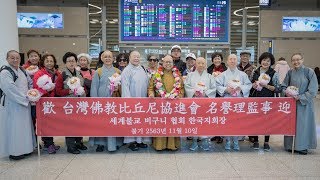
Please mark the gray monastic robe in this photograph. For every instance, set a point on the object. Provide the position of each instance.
(134, 83)
(306, 80)
(228, 75)
(100, 87)
(222, 82)
(194, 78)
(16, 127)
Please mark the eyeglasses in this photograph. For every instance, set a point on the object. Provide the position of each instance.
(154, 60)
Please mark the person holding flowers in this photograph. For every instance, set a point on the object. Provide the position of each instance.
(200, 84)
(70, 84)
(301, 84)
(265, 80)
(166, 83)
(102, 86)
(43, 81)
(233, 83)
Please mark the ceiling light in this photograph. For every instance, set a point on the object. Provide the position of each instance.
(249, 16)
(98, 12)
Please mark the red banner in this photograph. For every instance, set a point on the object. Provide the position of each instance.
(164, 117)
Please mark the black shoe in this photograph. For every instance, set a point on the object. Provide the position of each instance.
(100, 148)
(266, 147)
(142, 145)
(81, 146)
(303, 152)
(133, 147)
(73, 150)
(219, 140)
(256, 146)
(29, 154)
(16, 157)
(214, 138)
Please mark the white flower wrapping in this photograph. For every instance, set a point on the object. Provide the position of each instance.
(115, 80)
(264, 79)
(292, 91)
(234, 84)
(31, 70)
(201, 88)
(45, 82)
(75, 86)
(33, 95)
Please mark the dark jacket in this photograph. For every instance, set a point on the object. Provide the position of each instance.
(264, 92)
(180, 65)
(211, 68)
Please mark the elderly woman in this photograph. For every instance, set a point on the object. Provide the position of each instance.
(122, 61)
(86, 72)
(33, 60)
(100, 87)
(216, 68)
(172, 86)
(266, 60)
(200, 84)
(32, 67)
(233, 83)
(305, 80)
(152, 64)
(47, 64)
(217, 65)
(74, 144)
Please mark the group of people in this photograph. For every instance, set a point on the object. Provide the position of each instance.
(168, 77)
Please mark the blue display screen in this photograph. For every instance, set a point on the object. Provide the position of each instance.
(40, 20)
(301, 24)
(174, 21)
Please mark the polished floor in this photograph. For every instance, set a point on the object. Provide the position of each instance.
(183, 164)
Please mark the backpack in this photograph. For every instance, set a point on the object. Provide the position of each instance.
(14, 77)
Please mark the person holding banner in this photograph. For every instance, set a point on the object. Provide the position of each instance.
(16, 128)
(200, 84)
(166, 83)
(265, 80)
(101, 87)
(134, 83)
(301, 83)
(74, 144)
(47, 64)
(233, 83)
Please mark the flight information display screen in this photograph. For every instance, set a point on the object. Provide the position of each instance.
(198, 21)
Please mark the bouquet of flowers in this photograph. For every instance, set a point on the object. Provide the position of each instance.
(292, 91)
(234, 84)
(115, 80)
(33, 95)
(264, 79)
(45, 82)
(31, 70)
(200, 89)
(216, 73)
(75, 86)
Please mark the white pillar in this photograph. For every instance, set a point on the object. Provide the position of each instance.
(9, 30)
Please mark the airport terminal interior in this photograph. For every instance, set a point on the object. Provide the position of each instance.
(201, 27)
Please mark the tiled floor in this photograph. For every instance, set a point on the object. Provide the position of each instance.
(149, 164)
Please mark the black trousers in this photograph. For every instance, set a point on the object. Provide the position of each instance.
(73, 141)
(256, 138)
